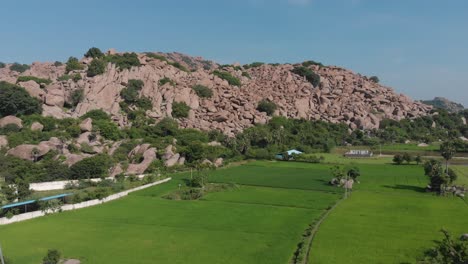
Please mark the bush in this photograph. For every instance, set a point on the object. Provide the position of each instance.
(266, 106)
(156, 56)
(228, 77)
(92, 167)
(64, 77)
(107, 129)
(144, 103)
(19, 67)
(73, 65)
(130, 93)
(135, 84)
(246, 74)
(180, 110)
(311, 76)
(2, 65)
(311, 62)
(76, 97)
(178, 66)
(203, 91)
(52, 257)
(58, 63)
(15, 100)
(124, 61)
(33, 78)
(96, 67)
(254, 65)
(165, 80)
(94, 53)
(76, 77)
(398, 159)
(97, 114)
(374, 79)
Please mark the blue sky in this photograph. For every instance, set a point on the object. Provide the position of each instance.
(419, 47)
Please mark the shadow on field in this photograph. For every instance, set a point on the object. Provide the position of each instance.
(406, 187)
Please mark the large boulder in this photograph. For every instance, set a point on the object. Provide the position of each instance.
(173, 160)
(86, 125)
(33, 88)
(8, 120)
(148, 157)
(29, 152)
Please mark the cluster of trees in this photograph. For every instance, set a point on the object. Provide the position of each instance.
(399, 159)
(15, 100)
(449, 250)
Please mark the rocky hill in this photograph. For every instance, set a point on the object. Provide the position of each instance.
(339, 96)
(444, 103)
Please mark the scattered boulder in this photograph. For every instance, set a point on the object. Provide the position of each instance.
(173, 160)
(219, 162)
(423, 145)
(36, 126)
(116, 170)
(29, 152)
(86, 125)
(148, 157)
(8, 120)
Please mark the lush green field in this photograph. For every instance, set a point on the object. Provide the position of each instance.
(389, 218)
(248, 224)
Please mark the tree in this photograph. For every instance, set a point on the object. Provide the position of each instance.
(73, 64)
(337, 172)
(15, 100)
(418, 159)
(448, 251)
(52, 257)
(398, 159)
(94, 53)
(407, 157)
(374, 79)
(266, 106)
(93, 167)
(447, 150)
(96, 67)
(23, 188)
(433, 169)
(353, 173)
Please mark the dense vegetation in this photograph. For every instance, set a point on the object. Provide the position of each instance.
(267, 107)
(96, 67)
(123, 61)
(180, 110)
(15, 100)
(19, 67)
(73, 64)
(94, 53)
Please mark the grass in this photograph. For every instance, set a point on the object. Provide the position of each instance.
(249, 224)
(389, 218)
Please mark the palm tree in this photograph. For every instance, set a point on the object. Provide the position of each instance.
(447, 150)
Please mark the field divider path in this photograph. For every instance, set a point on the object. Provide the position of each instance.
(315, 229)
(69, 207)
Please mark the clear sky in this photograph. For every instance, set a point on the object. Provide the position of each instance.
(419, 47)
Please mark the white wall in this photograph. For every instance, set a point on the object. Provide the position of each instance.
(60, 185)
(68, 207)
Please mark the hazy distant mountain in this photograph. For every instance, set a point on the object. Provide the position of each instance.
(444, 103)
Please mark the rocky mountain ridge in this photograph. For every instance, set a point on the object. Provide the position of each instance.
(340, 96)
(444, 103)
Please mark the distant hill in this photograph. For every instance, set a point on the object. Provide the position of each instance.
(444, 103)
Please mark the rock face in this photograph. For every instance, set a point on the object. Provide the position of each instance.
(3, 141)
(342, 96)
(148, 157)
(7, 120)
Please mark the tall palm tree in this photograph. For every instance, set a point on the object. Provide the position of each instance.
(447, 150)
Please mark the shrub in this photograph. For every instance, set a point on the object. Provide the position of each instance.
(203, 91)
(52, 257)
(311, 62)
(2, 65)
(107, 129)
(124, 61)
(228, 77)
(94, 53)
(375, 79)
(15, 100)
(58, 64)
(76, 97)
(180, 110)
(165, 80)
(97, 114)
(76, 77)
(266, 106)
(144, 103)
(135, 84)
(92, 167)
(398, 159)
(178, 66)
(33, 78)
(156, 56)
(96, 67)
(73, 65)
(246, 74)
(130, 96)
(19, 67)
(64, 77)
(311, 76)
(254, 65)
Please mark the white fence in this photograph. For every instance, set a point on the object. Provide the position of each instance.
(68, 207)
(60, 185)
